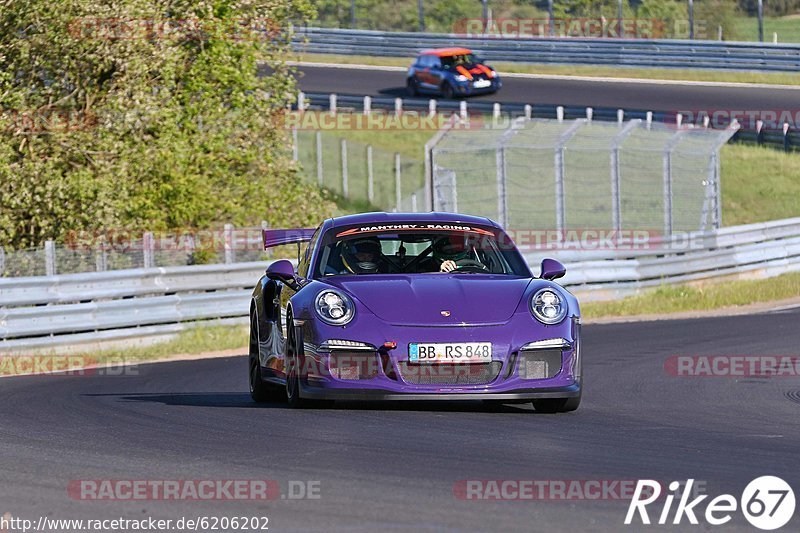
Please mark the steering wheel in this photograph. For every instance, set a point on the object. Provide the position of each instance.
(470, 265)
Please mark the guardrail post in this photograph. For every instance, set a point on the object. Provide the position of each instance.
(431, 107)
(462, 109)
(148, 250)
(345, 191)
(397, 182)
(716, 222)
(101, 256)
(787, 142)
(301, 101)
(367, 105)
(370, 177)
(496, 111)
(50, 257)
(398, 106)
(229, 244)
(500, 173)
(589, 113)
(528, 111)
(191, 248)
(295, 148)
(760, 131)
(560, 113)
(620, 116)
(332, 103)
(649, 119)
(319, 158)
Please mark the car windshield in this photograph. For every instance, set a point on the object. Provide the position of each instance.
(459, 59)
(418, 249)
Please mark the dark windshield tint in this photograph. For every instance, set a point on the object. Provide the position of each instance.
(416, 249)
(463, 60)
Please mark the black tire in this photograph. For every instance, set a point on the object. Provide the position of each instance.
(557, 405)
(447, 91)
(291, 365)
(411, 87)
(260, 391)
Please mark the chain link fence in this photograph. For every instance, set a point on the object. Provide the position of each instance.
(560, 175)
(120, 250)
(365, 176)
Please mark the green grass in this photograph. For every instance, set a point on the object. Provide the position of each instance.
(674, 299)
(788, 28)
(772, 78)
(759, 184)
(193, 341)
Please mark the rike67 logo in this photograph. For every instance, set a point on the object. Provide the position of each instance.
(767, 503)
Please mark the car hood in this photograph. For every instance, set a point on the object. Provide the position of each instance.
(425, 299)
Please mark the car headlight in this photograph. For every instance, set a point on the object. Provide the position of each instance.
(334, 308)
(548, 306)
(461, 78)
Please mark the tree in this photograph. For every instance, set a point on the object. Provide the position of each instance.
(146, 114)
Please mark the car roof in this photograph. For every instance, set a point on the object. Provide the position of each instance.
(446, 52)
(390, 218)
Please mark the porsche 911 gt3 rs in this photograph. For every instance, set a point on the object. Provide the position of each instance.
(409, 306)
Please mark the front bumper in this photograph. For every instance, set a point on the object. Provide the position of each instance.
(570, 391)
(467, 88)
(522, 368)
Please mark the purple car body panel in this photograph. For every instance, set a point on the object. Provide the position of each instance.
(529, 359)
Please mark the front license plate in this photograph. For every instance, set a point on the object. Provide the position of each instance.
(480, 84)
(451, 352)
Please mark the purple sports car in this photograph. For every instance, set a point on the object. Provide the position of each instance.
(410, 306)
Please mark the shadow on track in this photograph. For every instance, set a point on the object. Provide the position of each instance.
(194, 399)
(242, 400)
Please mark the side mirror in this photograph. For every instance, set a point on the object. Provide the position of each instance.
(282, 270)
(552, 269)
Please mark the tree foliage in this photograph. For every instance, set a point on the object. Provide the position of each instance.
(146, 114)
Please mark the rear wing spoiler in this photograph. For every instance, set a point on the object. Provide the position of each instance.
(278, 237)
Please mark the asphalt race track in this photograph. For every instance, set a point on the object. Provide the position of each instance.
(393, 467)
(641, 96)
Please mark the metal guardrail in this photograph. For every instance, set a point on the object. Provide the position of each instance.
(611, 52)
(786, 139)
(47, 312)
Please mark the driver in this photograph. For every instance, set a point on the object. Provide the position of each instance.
(363, 256)
(449, 251)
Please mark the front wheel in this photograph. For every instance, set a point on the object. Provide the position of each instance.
(291, 364)
(260, 391)
(447, 91)
(411, 87)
